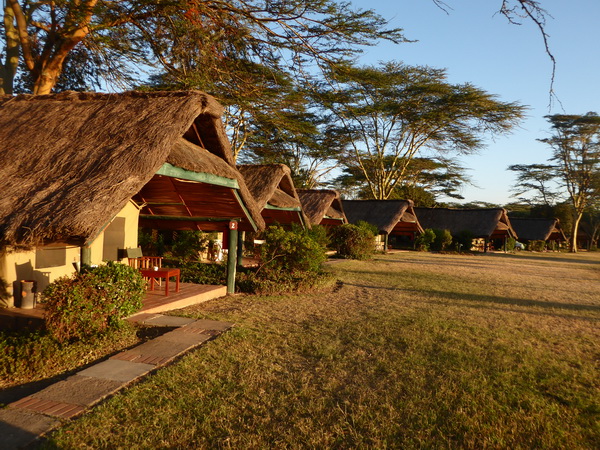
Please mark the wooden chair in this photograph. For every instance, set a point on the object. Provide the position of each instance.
(136, 260)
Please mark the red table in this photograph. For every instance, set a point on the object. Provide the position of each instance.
(163, 272)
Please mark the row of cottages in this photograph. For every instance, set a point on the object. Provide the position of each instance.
(82, 171)
(395, 220)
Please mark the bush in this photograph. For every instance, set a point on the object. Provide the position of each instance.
(202, 273)
(463, 241)
(442, 240)
(290, 251)
(510, 244)
(290, 260)
(353, 242)
(92, 302)
(425, 239)
(275, 282)
(536, 246)
(318, 233)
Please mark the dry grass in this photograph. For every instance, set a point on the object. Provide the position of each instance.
(412, 350)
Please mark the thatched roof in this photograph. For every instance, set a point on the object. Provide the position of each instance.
(71, 161)
(270, 184)
(273, 190)
(322, 206)
(483, 223)
(389, 216)
(184, 198)
(538, 229)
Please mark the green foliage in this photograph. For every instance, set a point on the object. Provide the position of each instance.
(509, 244)
(290, 260)
(463, 241)
(353, 242)
(202, 273)
(397, 111)
(188, 245)
(276, 282)
(318, 233)
(290, 251)
(442, 240)
(424, 240)
(92, 302)
(368, 226)
(536, 246)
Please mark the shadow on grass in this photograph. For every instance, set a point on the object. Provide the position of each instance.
(479, 298)
(592, 258)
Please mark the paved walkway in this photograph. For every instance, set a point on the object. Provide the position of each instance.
(25, 420)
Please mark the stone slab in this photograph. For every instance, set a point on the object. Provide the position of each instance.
(79, 390)
(160, 320)
(19, 428)
(160, 347)
(181, 337)
(112, 369)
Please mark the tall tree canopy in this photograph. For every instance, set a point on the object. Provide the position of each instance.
(575, 145)
(385, 116)
(205, 37)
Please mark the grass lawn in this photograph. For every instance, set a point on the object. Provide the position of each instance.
(410, 350)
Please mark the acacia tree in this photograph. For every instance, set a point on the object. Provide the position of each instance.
(575, 145)
(424, 181)
(180, 35)
(388, 115)
(538, 179)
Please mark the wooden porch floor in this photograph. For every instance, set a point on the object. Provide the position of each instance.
(154, 302)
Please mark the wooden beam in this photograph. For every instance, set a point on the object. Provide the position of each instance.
(200, 177)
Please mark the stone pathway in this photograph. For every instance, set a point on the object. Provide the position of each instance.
(24, 421)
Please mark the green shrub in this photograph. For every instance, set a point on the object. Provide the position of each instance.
(353, 242)
(442, 240)
(290, 260)
(509, 244)
(290, 251)
(368, 226)
(276, 282)
(318, 233)
(92, 302)
(202, 273)
(463, 241)
(188, 245)
(424, 240)
(536, 246)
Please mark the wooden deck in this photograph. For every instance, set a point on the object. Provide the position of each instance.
(154, 302)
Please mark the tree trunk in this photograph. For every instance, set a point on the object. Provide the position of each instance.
(574, 230)
(8, 69)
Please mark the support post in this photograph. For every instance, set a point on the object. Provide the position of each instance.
(86, 256)
(232, 256)
(385, 242)
(240, 248)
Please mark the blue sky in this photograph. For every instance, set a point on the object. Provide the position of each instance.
(476, 45)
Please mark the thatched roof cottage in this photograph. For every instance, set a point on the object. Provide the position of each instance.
(391, 217)
(538, 229)
(322, 207)
(73, 163)
(486, 223)
(273, 190)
